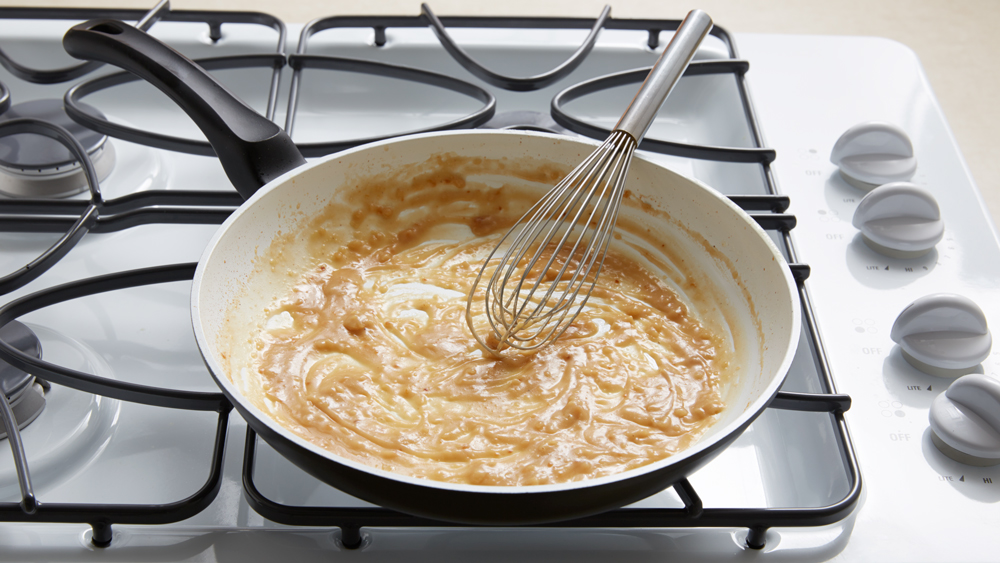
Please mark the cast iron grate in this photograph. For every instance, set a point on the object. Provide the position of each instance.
(767, 210)
(76, 217)
(351, 520)
(101, 516)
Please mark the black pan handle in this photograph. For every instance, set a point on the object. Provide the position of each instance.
(252, 149)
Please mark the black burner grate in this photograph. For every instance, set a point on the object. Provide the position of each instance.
(102, 516)
(77, 217)
(757, 520)
(74, 218)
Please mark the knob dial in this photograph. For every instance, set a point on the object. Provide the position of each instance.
(874, 153)
(899, 220)
(943, 334)
(965, 420)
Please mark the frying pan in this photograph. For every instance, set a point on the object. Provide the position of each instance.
(717, 246)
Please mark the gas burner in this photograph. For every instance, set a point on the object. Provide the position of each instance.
(70, 433)
(36, 166)
(525, 121)
(25, 393)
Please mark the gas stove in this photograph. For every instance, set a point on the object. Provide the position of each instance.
(134, 454)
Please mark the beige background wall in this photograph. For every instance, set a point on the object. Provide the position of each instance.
(957, 41)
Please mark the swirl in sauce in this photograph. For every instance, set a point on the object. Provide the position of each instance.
(370, 357)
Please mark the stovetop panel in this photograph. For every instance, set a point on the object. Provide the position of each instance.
(807, 91)
(859, 293)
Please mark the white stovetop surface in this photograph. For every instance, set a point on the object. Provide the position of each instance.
(918, 505)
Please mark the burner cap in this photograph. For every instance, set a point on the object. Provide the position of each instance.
(12, 380)
(26, 396)
(35, 152)
(37, 166)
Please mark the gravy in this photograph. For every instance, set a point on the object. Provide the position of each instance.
(369, 355)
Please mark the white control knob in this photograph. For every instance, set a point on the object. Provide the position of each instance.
(874, 153)
(943, 334)
(899, 220)
(965, 420)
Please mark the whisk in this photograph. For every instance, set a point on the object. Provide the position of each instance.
(554, 254)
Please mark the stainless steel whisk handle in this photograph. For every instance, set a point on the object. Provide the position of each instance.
(664, 75)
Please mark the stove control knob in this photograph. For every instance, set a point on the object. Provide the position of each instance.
(965, 420)
(874, 153)
(899, 220)
(943, 335)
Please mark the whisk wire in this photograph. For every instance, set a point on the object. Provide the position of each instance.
(526, 313)
(596, 249)
(506, 310)
(598, 185)
(576, 199)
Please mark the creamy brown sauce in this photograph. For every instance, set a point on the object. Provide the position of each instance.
(369, 355)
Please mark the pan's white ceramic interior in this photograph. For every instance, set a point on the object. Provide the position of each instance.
(710, 242)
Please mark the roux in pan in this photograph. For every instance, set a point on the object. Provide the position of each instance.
(369, 355)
